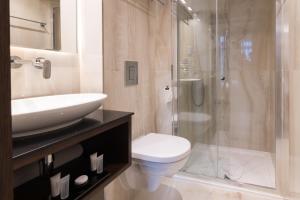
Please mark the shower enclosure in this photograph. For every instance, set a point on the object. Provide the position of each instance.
(226, 88)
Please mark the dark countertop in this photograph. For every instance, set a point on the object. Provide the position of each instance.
(97, 121)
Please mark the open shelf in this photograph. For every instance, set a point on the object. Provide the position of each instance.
(39, 188)
(111, 137)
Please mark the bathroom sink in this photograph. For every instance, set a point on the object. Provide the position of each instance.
(34, 116)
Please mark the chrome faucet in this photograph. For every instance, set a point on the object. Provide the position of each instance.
(39, 63)
(45, 65)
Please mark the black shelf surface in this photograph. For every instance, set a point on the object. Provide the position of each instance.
(28, 150)
(39, 188)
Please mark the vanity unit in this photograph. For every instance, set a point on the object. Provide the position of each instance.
(104, 131)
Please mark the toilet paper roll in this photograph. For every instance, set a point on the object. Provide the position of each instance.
(167, 96)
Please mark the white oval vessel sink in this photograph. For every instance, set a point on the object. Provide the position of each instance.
(32, 116)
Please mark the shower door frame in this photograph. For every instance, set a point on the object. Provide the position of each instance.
(281, 109)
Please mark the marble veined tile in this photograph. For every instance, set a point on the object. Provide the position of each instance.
(240, 165)
(181, 188)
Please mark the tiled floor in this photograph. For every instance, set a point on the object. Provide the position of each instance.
(243, 166)
(181, 189)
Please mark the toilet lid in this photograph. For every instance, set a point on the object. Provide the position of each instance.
(160, 148)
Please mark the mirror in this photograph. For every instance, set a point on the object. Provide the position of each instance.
(44, 24)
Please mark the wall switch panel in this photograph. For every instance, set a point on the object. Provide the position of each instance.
(131, 73)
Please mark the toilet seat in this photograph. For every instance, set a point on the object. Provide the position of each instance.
(160, 148)
(154, 156)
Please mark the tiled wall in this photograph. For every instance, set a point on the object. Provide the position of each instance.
(28, 81)
(126, 37)
(241, 108)
(196, 66)
(138, 30)
(250, 74)
(160, 23)
(289, 12)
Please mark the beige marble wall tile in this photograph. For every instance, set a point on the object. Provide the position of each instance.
(251, 74)
(180, 189)
(126, 37)
(290, 53)
(196, 56)
(28, 81)
(241, 107)
(160, 27)
(138, 30)
(295, 131)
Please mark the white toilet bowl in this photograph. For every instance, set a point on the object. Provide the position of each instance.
(155, 156)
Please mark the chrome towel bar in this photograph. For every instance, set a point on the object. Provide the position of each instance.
(42, 24)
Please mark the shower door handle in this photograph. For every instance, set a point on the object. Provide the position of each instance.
(172, 72)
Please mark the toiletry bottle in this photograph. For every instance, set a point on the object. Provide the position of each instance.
(46, 172)
(47, 166)
(65, 187)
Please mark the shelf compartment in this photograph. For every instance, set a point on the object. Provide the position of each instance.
(113, 139)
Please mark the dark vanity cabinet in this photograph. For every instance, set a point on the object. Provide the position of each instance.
(106, 132)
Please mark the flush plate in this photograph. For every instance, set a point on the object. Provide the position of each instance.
(131, 73)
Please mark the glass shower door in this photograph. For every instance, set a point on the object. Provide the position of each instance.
(196, 83)
(245, 90)
(226, 88)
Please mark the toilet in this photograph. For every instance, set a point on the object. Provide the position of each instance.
(154, 156)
